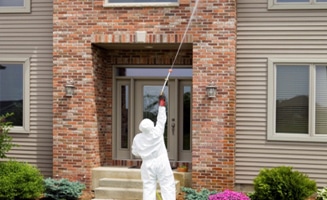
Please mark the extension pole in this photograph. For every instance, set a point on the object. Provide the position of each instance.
(166, 80)
(179, 48)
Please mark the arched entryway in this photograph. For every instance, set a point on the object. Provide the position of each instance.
(135, 74)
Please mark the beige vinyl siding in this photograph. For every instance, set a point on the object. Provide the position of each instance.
(263, 34)
(30, 35)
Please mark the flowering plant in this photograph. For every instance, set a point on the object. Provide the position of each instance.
(229, 195)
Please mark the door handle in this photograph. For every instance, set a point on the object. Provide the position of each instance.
(173, 126)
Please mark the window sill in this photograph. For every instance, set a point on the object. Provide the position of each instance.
(15, 10)
(17, 129)
(296, 6)
(296, 137)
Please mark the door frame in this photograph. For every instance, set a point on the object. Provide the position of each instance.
(172, 139)
(131, 81)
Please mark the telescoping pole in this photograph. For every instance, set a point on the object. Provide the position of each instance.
(179, 48)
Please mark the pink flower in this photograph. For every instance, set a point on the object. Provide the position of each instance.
(229, 195)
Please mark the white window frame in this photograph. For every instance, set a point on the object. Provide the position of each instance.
(272, 4)
(106, 3)
(26, 92)
(17, 9)
(271, 101)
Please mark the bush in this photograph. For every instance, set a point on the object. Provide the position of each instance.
(229, 195)
(191, 194)
(5, 140)
(20, 181)
(282, 183)
(63, 189)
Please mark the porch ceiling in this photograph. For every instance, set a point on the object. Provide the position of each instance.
(145, 46)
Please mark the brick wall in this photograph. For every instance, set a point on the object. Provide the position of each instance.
(103, 101)
(214, 119)
(82, 123)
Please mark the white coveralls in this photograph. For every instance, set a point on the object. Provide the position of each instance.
(150, 146)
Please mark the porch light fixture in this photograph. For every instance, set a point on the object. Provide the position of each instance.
(211, 90)
(69, 88)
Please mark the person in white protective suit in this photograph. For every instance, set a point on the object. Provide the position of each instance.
(150, 146)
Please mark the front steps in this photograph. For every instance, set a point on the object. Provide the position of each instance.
(122, 183)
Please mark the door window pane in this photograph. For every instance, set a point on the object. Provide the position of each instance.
(150, 103)
(187, 118)
(321, 100)
(11, 92)
(292, 90)
(124, 117)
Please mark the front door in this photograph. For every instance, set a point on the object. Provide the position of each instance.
(137, 98)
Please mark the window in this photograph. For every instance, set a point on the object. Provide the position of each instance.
(154, 72)
(297, 4)
(15, 6)
(14, 92)
(297, 100)
(140, 3)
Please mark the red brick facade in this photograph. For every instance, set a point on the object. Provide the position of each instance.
(82, 123)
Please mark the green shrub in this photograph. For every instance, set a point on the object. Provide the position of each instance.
(20, 181)
(191, 194)
(63, 189)
(322, 194)
(5, 140)
(282, 183)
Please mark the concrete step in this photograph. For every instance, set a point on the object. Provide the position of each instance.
(98, 173)
(113, 172)
(121, 183)
(114, 199)
(128, 183)
(118, 193)
(123, 189)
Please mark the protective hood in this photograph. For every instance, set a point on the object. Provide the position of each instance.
(146, 126)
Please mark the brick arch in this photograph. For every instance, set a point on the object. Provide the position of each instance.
(103, 59)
